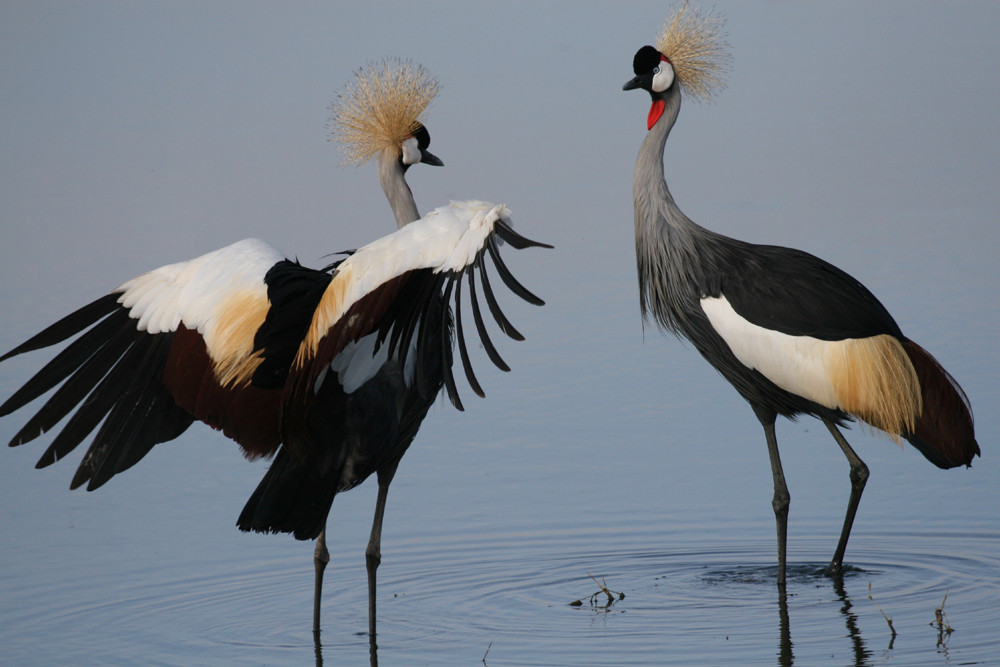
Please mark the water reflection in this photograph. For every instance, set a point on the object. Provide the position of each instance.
(861, 652)
(786, 655)
(372, 644)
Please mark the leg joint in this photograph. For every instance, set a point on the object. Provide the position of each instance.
(781, 501)
(859, 474)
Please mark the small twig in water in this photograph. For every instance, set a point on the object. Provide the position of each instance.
(941, 623)
(886, 617)
(610, 594)
(487, 652)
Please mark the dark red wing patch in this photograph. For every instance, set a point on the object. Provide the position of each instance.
(247, 414)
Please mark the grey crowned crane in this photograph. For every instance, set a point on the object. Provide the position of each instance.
(792, 333)
(378, 115)
(330, 371)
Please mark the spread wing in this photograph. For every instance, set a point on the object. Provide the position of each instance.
(249, 343)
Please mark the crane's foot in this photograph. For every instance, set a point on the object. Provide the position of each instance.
(835, 570)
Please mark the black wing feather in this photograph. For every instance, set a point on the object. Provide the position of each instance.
(491, 351)
(294, 292)
(491, 301)
(796, 293)
(67, 362)
(508, 278)
(449, 378)
(507, 233)
(73, 391)
(124, 429)
(68, 326)
(460, 335)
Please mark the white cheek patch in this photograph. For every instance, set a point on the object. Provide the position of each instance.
(664, 78)
(797, 364)
(411, 151)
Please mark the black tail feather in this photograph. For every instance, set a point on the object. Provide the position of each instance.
(294, 497)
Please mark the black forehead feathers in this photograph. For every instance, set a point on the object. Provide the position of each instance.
(423, 137)
(645, 60)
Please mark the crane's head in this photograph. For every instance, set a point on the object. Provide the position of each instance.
(691, 51)
(655, 74)
(380, 113)
(414, 149)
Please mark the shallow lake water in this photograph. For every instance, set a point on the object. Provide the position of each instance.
(609, 453)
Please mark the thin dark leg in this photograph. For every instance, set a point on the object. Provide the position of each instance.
(373, 554)
(320, 558)
(859, 477)
(781, 499)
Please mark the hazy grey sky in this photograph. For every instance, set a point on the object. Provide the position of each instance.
(133, 134)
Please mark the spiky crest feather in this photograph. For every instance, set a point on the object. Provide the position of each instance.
(696, 45)
(381, 108)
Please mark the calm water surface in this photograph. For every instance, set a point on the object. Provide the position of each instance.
(496, 522)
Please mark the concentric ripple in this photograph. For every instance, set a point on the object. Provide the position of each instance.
(453, 599)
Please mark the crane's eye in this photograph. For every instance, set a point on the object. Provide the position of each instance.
(663, 77)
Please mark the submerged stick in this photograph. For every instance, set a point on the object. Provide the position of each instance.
(610, 594)
(884, 615)
(941, 623)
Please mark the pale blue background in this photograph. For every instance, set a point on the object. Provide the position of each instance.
(138, 134)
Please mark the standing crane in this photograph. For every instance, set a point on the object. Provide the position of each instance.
(792, 333)
(330, 371)
(378, 115)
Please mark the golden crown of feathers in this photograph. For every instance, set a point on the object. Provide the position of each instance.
(696, 45)
(381, 108)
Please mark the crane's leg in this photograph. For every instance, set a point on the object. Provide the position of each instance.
(781, 499)
(859, 477)
(320, 558)
(373, 554)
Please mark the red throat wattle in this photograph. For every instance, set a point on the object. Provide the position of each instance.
(655, 112)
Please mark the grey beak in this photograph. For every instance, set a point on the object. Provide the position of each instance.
(427, 157)
(632, 84)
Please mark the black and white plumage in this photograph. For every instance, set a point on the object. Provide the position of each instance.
(792, 333)
(330, 371)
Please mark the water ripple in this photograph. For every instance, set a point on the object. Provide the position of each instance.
(445, 599)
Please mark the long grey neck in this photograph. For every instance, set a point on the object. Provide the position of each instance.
(393, 181)
(654, 205)
(669, 246)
